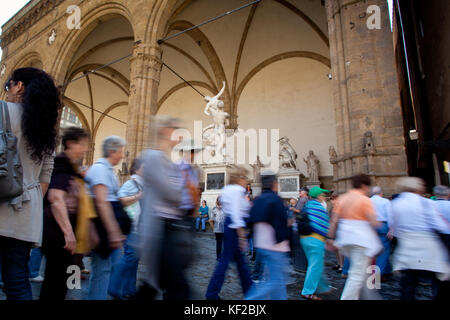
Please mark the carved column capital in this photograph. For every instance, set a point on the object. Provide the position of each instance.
(145, 75)
(233, 121)
(146, 62)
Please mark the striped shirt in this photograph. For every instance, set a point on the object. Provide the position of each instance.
(318, 217)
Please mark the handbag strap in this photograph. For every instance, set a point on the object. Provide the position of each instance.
(5, 110)
(1, 116)
(138, 186)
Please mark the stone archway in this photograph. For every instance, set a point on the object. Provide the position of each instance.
(75, 37)
(200, 56)
(97, 72)
(31, 59)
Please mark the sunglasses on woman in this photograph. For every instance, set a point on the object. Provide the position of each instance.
(7, 85)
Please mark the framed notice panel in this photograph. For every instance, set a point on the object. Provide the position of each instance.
(215, 181)
(289, 184)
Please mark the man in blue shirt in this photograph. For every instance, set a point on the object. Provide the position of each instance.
(442, 196)
(235, 207)
(383, 211)
(268, 217)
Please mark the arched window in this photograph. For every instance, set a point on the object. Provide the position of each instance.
(69, 119)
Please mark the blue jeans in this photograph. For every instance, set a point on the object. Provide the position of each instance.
(346, 266)
(274, 287)
(258, 267)
(203, 220)
(219, 244)
(315, 253)
(250, 246)
(383, 259)
(100, 274)
(35, 262)
(231, 252)
(124, 275)
(14, 257)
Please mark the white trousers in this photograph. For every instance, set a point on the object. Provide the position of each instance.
(357, 274)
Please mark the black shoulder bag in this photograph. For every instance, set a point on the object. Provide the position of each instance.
(11, 174)
(124, 221)
(303, 225)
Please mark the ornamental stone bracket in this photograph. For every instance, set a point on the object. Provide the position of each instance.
(369, 161)
(3, 70)
(27, 21)
(52, 37)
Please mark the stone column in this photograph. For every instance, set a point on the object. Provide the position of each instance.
(366, 94)
(90, 153)
(233, 121)
(144, 81)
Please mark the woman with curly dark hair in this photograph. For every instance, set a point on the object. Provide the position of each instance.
(33, 101)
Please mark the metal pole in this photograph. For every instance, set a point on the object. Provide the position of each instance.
(103, 66)
(82, 104)
(206, 22)
(182, 79)
(167, 38)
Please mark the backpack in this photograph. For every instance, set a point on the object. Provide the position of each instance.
(303, 226)
(11, 174)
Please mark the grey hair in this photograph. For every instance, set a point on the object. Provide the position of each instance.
(111, 144)
(410, 184)
(237, 173)
(377, 190)
(441, 191)
(164, 121)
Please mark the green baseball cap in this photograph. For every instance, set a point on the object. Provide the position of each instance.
(316, 191)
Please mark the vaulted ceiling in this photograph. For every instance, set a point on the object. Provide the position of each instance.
(235, 48)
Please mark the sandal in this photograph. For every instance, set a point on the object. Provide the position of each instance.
(311, 297)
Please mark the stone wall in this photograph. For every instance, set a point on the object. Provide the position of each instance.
(366, 95)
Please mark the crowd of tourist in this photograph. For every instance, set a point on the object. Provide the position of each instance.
(66, 212)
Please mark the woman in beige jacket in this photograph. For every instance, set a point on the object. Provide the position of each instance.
(33, 103)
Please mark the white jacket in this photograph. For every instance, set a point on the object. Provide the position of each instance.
(421, 251)
(357, 233)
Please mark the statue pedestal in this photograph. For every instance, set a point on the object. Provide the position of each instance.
(257, 189)
(312, 184)
(289, 183)
(215, 178)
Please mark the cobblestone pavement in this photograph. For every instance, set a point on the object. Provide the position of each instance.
(203, 265)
